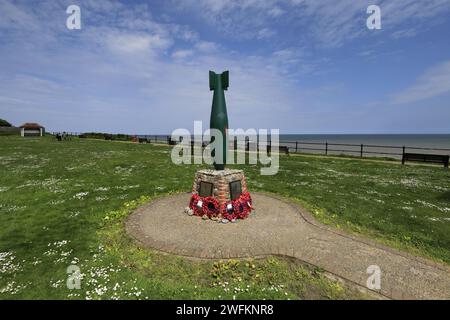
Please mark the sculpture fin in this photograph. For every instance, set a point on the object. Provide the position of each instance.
(224, 78)
(212, 80)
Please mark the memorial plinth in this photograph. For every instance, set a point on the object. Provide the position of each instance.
(220, 195)
(225, 185)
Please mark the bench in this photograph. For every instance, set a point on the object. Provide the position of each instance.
(171, 142)
(284, 149)
(281, 149)
(429, 158)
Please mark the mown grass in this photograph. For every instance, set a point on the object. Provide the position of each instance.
(64, 203)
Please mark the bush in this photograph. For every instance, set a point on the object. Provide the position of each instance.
(4, 123)
(106, 136)
(94, 135)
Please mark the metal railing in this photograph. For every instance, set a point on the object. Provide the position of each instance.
(361, 150)
(295, 146)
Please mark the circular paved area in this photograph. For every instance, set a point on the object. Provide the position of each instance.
(278, 227)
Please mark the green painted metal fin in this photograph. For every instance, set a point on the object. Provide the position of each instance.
(224, 77)
(212, 80)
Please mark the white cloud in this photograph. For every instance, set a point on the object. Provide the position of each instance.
(434, 82)
(276, 12)
(265, 33)
(15, 17)
(330, 24)
(241, 19)
(206, 46)
(131, 43)
(284, 54)
(181, 54)
(404, 33)
(366, 53)
(116, 77)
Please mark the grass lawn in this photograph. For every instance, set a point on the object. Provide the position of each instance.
(65, 203)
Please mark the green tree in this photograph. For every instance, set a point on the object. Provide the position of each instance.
(4, 123)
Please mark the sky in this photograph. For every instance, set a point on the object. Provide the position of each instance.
(301, 66)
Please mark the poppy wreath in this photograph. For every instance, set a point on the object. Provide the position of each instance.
(241, 207)
(211, 207)
(247, 200)
(228, 213)
(198, 211)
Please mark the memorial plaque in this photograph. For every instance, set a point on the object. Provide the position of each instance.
(235, 189)
(206, 189)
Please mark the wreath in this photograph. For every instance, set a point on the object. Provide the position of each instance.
(211, 207)
(240, 209)
(196, 204)
(247, 199)
(228, 211)
(231, 210)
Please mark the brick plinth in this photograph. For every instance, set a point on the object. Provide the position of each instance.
(221, 180)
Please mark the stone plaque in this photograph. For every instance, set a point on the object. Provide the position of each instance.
(206, 189)
(235, 189)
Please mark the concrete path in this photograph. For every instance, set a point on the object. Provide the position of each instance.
(278, 227)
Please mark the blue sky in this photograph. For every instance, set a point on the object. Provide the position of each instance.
(303, 66)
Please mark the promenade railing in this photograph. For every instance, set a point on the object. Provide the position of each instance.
(361, 150)
(297, 146)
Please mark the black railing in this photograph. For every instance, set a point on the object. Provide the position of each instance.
(360, 150)
(325, 148)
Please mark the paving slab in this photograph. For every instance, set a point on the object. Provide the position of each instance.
(281, 227)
